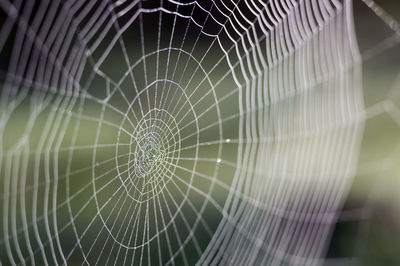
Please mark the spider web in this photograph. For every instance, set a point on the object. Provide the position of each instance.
(179, 132)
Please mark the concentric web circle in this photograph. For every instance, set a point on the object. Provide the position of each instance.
(145, 162)
(147, 132)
